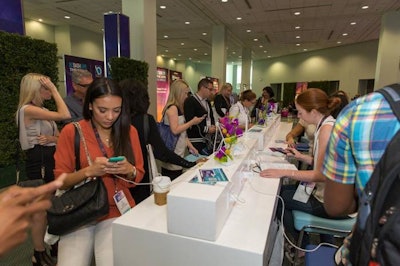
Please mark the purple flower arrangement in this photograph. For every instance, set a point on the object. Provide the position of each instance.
(231, 131)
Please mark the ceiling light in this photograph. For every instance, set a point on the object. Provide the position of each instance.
(204, 33)
(265, 51)
(339, 42)
(195, 49)
(353, 23)
(297, 44)
(166, 50)
(163, 7)
(304, 49)
(345, 34)
(261, 46)
(205, 54)
(190, 58)
(297, 27)
(255, 39)
(238, 18)
(297, 37)
(233, 52)
(182, 43)
(248, 30)
(165, 36)
(240, 56)
(67, 17)
(297, 13)
(187, 22)
(364, 7)
(40, 20)
(269, 56)
(224, 1)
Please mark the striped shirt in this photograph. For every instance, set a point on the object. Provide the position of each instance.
(358, 140)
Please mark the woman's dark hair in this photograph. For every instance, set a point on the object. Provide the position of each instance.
(344, 100)
(270, 92)
(136, 97)
(120, 136)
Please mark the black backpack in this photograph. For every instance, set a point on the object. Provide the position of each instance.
(376, 238)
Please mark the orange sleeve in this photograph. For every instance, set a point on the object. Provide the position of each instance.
(65, 154)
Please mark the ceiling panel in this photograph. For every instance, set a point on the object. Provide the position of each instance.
(272, 22)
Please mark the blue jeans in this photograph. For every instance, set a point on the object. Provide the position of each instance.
(313, 206)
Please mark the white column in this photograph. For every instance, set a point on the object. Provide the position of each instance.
(388, 59)
(143, 39)
(246, 66)
(62, 37)
(218, 60)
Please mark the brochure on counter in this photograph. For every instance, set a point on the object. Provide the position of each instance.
(210, 176)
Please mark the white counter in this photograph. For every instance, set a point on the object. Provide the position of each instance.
(140, 237)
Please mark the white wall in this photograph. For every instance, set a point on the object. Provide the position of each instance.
(347, 64)
(38, 30)
(86, 44)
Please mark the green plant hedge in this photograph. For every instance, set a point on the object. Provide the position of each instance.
(122, 68)
(19, 55)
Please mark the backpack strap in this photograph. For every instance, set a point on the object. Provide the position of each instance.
(392, 95)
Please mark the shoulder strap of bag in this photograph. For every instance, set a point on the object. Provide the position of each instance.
(146, 128)
(392, 95)
(77, 153)
(163, 114)
(82, 138)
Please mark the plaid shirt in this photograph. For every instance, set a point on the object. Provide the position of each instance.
(359, 138)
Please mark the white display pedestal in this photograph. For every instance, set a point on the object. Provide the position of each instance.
(200, 210)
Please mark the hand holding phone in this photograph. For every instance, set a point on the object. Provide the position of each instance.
(281, 150)
(116, 159)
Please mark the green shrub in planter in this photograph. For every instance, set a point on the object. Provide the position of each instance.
(122, 68)
(19, 55)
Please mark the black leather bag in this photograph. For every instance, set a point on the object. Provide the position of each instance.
(77, 207)
(80, 205)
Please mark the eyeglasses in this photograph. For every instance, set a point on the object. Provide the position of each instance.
(83, 85)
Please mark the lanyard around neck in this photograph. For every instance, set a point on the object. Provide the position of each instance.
(101, 146)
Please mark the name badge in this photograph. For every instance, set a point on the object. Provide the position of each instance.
(121, 202)
(208, 121)
(304, 191)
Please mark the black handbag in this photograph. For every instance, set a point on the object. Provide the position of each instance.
(80, 205)
(77, 207)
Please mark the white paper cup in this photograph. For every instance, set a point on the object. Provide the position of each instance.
(161, 185)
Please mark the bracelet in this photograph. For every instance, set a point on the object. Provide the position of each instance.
(133, 173)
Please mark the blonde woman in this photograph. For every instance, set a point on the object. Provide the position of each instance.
(173, 116)
(38, 135)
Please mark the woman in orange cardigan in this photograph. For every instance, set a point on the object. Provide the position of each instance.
(108, 133)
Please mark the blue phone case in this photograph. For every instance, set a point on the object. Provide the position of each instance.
(116, 159)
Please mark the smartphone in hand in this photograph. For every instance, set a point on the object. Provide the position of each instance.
(116, 159)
